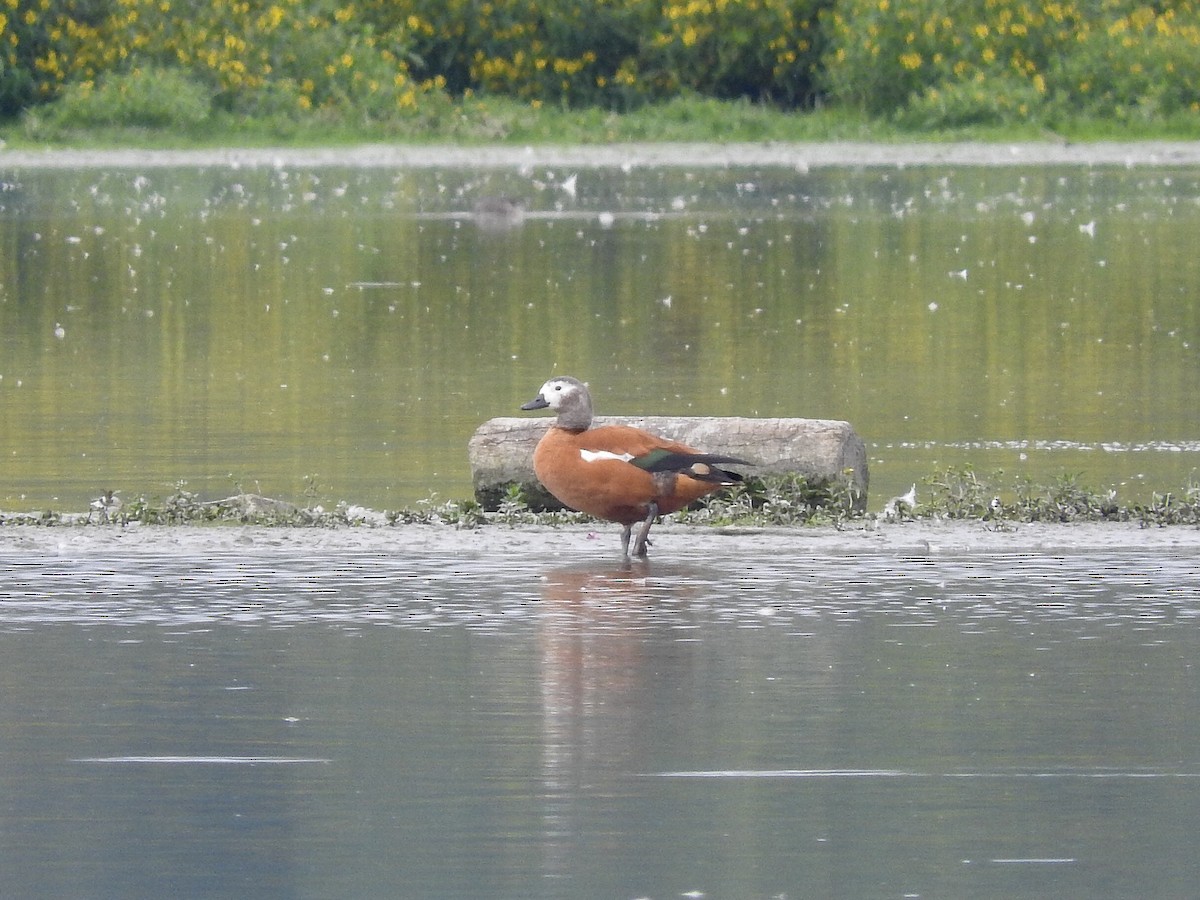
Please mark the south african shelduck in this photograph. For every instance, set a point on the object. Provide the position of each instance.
(617, 472)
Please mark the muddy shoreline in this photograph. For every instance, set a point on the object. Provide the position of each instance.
(802, 156)
(599, 543)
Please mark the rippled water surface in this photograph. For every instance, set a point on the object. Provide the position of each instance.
(428, 713)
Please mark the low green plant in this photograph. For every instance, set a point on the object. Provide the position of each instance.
(985, 101)
(792, 499)
(771, 501)
(1170, 508)
(1065, 499)
(430, 511)
(958, 493)
(153, 98)
(961, 493)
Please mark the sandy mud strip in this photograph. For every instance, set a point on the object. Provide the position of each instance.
(802, 156)
(600, 542)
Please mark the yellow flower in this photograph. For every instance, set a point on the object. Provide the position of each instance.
(910, 61)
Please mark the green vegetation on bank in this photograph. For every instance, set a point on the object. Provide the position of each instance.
(776, 501)
(162, 72)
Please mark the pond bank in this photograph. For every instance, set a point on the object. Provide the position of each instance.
(637, 155)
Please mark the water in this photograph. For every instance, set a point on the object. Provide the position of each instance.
(511, 713)
(430, 713)
(323, 334)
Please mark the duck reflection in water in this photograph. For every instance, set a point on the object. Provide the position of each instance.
(607, 654)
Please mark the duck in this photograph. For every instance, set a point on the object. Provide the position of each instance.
(617, 472)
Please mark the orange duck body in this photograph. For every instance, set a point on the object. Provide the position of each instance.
(617, 472)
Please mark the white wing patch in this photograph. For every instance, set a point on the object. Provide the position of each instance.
(597, 455)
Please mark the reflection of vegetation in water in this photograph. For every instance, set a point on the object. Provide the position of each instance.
(792, 500)
(217, 321)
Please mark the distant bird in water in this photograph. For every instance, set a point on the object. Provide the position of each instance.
(617, 472)
(498, 213)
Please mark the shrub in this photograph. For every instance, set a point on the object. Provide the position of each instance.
(981, 101)
(616, 53)
(36, 47)
(254, 56)
(761, 49)
(928, 63)
(144, 98)
(1143, 64)
(940, 63)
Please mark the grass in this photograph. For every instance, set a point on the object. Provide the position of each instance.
(491, 120)
(958, 494)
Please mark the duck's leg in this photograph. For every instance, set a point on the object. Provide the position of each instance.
(625, 531)
(639, 546)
